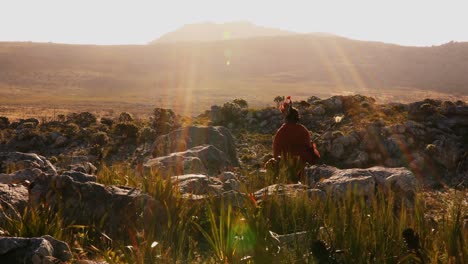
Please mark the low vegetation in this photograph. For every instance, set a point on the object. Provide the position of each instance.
(375, 229)
(302, 228)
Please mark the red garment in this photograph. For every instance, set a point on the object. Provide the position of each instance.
(294, 140)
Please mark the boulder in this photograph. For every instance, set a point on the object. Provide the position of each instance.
(13, 161)
(84, 167)
(13, 199)
(20, 176)
(197, 184)
(205, 159)
(80, 176)
(45, 249)
(117, 209)
(448, 152)
(280, 189)
(188, 137)
(363, 181)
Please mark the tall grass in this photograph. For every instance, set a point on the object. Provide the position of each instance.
(352, 229)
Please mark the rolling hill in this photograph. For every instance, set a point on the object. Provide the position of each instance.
(195, 75)
(209, 31)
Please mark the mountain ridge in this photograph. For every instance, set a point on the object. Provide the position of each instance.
(210, 31)
(210, 72)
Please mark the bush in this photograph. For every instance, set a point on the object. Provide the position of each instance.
(241, 103)
(100, 138)
(107, 121)
(83, 119)
(125, 117)
(164, 120)
(4, 122)
(71, 130)
(147, 134)
(128, 131)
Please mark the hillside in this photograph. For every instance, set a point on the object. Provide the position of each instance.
(192, 76)
(213, 32)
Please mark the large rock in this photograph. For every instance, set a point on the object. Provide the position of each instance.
(197, 184)
(13, 200)
(188, 137)
(34, 250)
(205, 159)
(117, 209)
(20, 176)
(14, 161)
(363, 181)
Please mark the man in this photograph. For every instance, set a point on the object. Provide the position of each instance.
(293, 139)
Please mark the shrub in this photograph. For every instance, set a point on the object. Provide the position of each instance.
(147, 134)
(71, 130)
(125, 117)
(241, 103)
(164, 120)
(4, 122)
(100, 138)
(128, 131)
(83, 119)
(278, 99)
(107, 121)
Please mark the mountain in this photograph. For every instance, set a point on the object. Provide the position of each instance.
(198, 74)
(213, 32)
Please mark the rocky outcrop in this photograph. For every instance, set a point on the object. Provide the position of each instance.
(13, 199)
(38, 250)
(14, 161)
(401, 181)
(88, 203)
(205, 159)
(186, 138)
(197, 184)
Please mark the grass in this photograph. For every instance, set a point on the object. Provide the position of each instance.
(354, 229)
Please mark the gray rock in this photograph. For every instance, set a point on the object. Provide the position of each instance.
(13, 199)
(43, 249)
(19, 161)
(188, 137)
(333, 104)
(84, 167)
(115, 208)
(448, 152)
(227, 175)
(357, 159)
(363, 181)
(317, 173)
(200, 159)
(79, 176)
(20, 176)
(231, 184)
(60, 142)
(191, 183)
(289, 190)
(337, 150)
(317, 111)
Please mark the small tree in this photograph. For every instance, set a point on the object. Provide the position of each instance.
(241, 103)
(278, 100)
(4, 122)
(164, 120)
(125, 117)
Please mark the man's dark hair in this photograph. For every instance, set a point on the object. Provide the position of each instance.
(293, 116)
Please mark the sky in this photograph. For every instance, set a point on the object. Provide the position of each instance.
(404, 22)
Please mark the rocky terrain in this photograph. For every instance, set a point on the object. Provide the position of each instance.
(118, 176)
